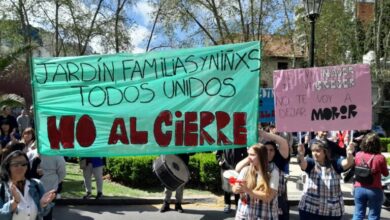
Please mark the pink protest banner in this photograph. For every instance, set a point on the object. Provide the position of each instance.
(323, 98)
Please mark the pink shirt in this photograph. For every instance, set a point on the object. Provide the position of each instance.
(378, 166)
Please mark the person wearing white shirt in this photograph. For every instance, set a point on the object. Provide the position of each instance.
(20, 196)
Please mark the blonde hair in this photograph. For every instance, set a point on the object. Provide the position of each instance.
(263, 180)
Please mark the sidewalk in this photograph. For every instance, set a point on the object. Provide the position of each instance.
(294, 194)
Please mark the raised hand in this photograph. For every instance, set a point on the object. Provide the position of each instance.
(12, 135)
(47, 198)
(351, 147)
(241, 186)
(14, 192)
(301, 149)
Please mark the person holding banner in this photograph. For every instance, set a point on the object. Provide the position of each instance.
(322, 196)
(258, 185)
(370, 194)
(227, 160)
(92, 165)
(278, 154)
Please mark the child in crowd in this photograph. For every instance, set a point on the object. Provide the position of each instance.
(322, 196)
(258, 185)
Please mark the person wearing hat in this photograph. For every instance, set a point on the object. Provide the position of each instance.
(322, 196)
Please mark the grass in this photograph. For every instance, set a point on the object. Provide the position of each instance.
(73, 187)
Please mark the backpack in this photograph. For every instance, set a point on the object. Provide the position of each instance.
(363, 172)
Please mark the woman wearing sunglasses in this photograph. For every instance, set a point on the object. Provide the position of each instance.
(20, 196)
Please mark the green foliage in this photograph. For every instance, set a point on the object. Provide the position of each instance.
(133, 171)
(73, 187)
(385, 144)
(207, 171)
(7, 59)
(334, 31)
(138, 171)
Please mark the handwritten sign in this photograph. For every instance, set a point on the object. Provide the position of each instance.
(267, 106)
(326, 98)
(180, 101)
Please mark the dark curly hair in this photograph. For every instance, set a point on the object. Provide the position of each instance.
(371, 143)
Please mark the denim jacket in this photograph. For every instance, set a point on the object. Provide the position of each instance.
(5, 203)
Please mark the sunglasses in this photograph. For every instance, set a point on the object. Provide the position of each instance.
(18, 164)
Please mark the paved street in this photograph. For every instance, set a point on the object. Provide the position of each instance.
(141, 212)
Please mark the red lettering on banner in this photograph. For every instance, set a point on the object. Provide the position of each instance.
(239, 128)
(194, 128)
(137, 137)
(114, 137)
(223, 120)
(163, 139)
(190, 129)
(85, 131)
(179, 130)
(206, 118)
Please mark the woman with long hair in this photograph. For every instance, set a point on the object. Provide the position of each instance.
(28, 138)
(322, 196)
(258, 185)
(278, 155)
(20, 196)
(370, 194)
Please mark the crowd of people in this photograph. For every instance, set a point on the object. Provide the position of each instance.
(260, 191)
(262, 186)
(23, 168)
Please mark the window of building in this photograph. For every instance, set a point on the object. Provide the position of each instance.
(282, 65)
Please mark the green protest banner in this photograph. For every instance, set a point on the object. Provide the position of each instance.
(188, 100)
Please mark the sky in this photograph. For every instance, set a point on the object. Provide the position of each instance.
(141, 13)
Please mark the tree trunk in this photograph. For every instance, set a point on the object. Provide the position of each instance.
(118, 11)
(378, 52)
(290, 34)
(200, 25)
(57, 47)
(218, 19)
(242, 20)
(154, 25)
(90, 29)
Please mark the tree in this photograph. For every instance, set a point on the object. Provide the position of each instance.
(9, 58)
(116, 31)
(216, 22)
(334, 31)
(381, 37)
